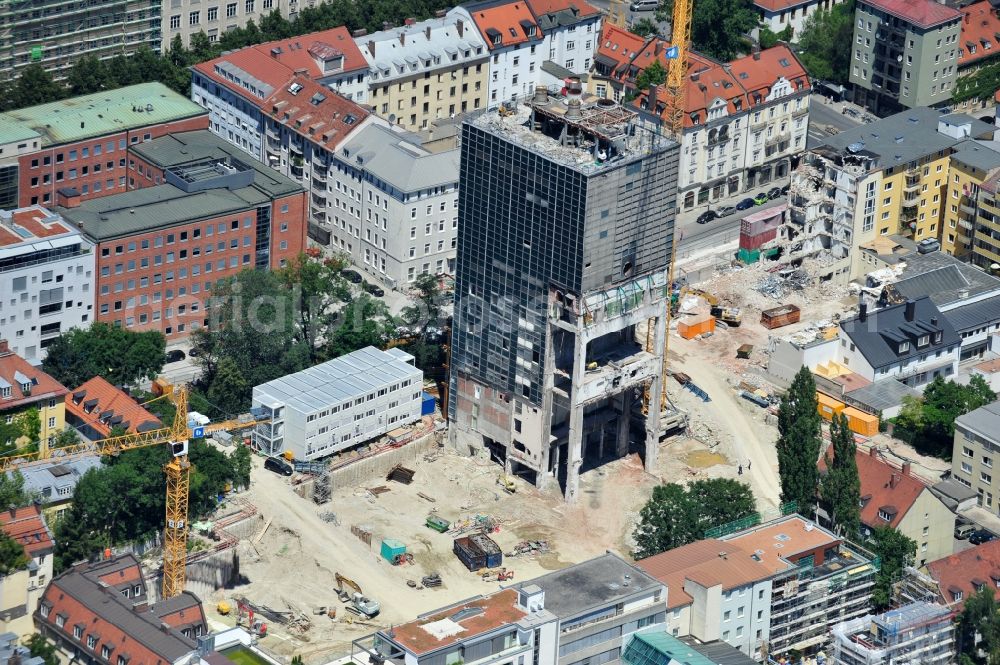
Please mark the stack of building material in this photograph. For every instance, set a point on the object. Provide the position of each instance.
(401, 474)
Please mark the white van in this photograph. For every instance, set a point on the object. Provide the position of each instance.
(644, 5)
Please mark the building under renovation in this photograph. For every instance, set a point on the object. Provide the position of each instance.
(916, 633)
(566, 224)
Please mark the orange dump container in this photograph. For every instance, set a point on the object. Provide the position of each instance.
(865, 424)
(693, 326)
(828, 407)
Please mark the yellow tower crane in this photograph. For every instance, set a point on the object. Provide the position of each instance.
(616, 13)
(678, 58)
(178, 472)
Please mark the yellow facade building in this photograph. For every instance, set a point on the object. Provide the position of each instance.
(24, 389)
(971, 165)
(986, 245)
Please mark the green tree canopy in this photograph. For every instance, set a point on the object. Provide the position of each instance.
(896, 552)
(654, 74)
(676, 516)
(12, 491)
(42, 648)
(26, 425)
(12, 556)
(842, 486)
(89, 74)
(645, 27)
(799, 441)
(928, 422)
(978, 633)
(825, 43)
(119, 355)
(769, 38)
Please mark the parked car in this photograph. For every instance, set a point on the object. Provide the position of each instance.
(981, 536)
(726, 211)
(175, 356)
(351, 276)
(784, 190)
(278, 465)
(745, 204)
(707, 216)
(644, 5)
(195, 351)
(372, 289)
(964, 530)
(760, 199)
(774, 193)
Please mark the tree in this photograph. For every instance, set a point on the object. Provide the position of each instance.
(895, 552)
(979, 629)
(769, 38)
(644, 27)
(119, 355)
(34, 86)
(842, 485)
(242, 464)
(928, 422)
(42, 648)
(12, 490)
(825, 43)
(653, 74)
(66, 437)
(719, 27)
(319, 290)
(799, 442)
(12, 556)
(981, 85)
(676, 516)
(24, 428)
(89, 74)
(229, 391)
(365, 322)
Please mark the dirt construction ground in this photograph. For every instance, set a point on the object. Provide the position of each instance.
(293, 565)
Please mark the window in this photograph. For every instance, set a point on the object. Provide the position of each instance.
(91, 641)
(105, 651)
(231, 10)
(60, 620)
(194, 18)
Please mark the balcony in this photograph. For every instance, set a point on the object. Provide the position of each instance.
(800, 112)
(296, 170)
(967, 209)
(908, 215)
(319, 200)
(911, 201)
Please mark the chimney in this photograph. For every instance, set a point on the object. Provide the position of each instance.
(911, 310)
(934, 320)
(654, 93)
(140, 607)
(906, 468)
(863, 312)
(656, 48)
(371, 47)
(427, 31)
(756, 50)
(893, 480)
(4, 347)
(402, 38)
(460, 26)
(873, 451)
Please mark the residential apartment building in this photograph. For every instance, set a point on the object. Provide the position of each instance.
(971, 164)
(392, 206)
(515, 44)
(338, 404)
(24, 387)
(778, 15)
(102, 612)
(891, 495)
(157, 260)
(979, 41)
(186, 18)
(915, 633)
(544, 366)
(766, 590)
(54, 482)
(976, 444)
(905, 54)
(744, 122)
(911, 342)
(46, 278)
(986, 233)
(590, 610)
(82, 142)
(96, 407)
(20, 590)
(426, 70)
(886, 178)
(570, 30)
(56, 35)
(952, 580)
(284, 82)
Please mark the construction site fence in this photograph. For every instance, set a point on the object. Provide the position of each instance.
(753, 519)
(361, 471)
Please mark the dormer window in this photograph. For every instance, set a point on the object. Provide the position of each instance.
(938, 336)
(923, 340)
(496, 39)
(531, 31)
(956, 594)
(5, 391)
(882, 515)
(903, 347)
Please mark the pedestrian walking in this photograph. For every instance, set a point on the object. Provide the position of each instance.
(740, 472)
(749, 464)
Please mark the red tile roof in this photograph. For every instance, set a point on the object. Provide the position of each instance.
(923, 13)
(315, 112)
(980, 29)
(580, 8)
(495, 611)
(512, 21)
(884, 488)
(26, 526)
(618, 45)
(12, 368)
(708, 562)
(956, 573)
(759, 73)
(30, 220)
(96, 403)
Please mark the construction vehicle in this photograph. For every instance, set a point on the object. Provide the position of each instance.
(708, 297)
(731, 316)
(366, 606)
(501, 575)
(178, 470)
(507, 483)
(223, 608)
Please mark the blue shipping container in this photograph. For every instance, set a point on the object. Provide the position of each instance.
(427, 405)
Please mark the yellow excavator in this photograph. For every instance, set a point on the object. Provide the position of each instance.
(364, 605)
